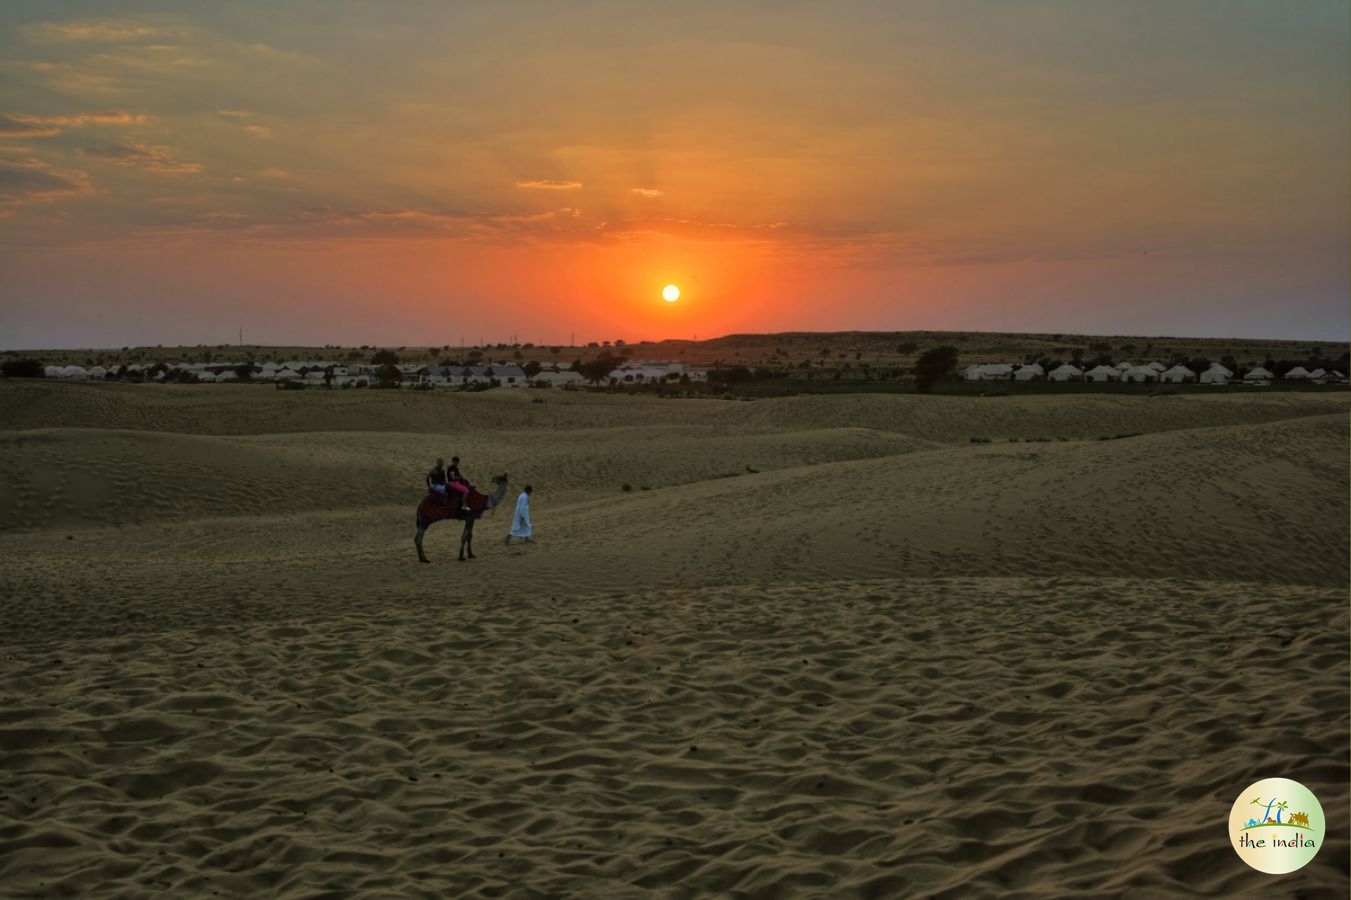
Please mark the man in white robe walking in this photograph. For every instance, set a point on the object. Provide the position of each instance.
(520, 522)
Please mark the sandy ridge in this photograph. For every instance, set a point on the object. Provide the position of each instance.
(833, 649)
(738, 741)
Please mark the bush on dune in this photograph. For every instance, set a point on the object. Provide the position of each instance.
(933, 365)
(23, 368)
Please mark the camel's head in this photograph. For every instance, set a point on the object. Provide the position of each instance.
(500, 479)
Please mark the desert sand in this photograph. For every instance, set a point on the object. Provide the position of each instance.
(819, 647)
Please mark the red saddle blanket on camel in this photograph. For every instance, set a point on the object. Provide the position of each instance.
(436, 506)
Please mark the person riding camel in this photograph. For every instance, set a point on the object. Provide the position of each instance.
(455, 482)
(436, 480)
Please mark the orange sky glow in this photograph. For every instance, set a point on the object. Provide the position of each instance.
(421, 173)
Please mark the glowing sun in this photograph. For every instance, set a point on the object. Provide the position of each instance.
(670, 293)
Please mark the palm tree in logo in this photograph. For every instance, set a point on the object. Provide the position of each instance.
(1266, 816)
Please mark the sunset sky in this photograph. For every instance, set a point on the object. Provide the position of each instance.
(333, 171)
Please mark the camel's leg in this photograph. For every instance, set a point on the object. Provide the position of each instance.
(417, 542)
(467, 539)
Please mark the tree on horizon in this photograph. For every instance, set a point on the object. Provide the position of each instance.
(933, 365)
(595, 370)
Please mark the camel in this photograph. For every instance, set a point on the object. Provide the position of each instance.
(433, 509)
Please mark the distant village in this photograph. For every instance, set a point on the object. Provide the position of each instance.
(1144, 373)
(324, 374)
(383, 369)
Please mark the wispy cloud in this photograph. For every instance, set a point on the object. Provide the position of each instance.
(237, 115)
(648, 193)
(682, 228)
(19, 125)
(133, 154)
(61, 77)
(545, 184)
(12, 126)
(97, 30)
(779, 233)
(27, 181)
(323, 222)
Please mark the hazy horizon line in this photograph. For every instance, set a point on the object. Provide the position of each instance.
(1055, 335)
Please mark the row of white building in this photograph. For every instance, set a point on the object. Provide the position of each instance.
(1140, 374)
(310, 373)
(323, 374)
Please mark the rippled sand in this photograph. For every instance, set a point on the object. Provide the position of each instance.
(822, 647)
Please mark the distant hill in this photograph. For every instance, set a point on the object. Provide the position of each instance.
(786, 349)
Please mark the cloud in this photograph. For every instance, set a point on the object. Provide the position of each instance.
(133, 154)
(62, 78)
(685, 229)
(12, 125)
(545, 184)
(19, 125)
(28, 181)
(649, 193)
(259, 131)
(320, 223)
(114, 117)
(100, 30)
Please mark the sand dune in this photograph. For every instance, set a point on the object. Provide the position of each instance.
(967, 737)
(256, 409)
(78, 477)
(825, 646)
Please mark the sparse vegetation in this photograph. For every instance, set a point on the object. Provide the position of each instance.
(22, 368)
(933, 365)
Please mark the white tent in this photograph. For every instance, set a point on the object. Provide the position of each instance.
(1139, 374)
(54, 372)
(1334, 375)
(1216, 375)
(287, 374)
(989, 372)
(1318, 373)
(1298, 373)
(1177, 375)
(1124, 366)
(1102, 373)
(560, 378)
(98, 372)
(227, 375)
(205, 376)
(1156, 366)
(75, 373)
(1223, 370)
(1258, 374)
(1065, 373)
(1028, 372)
